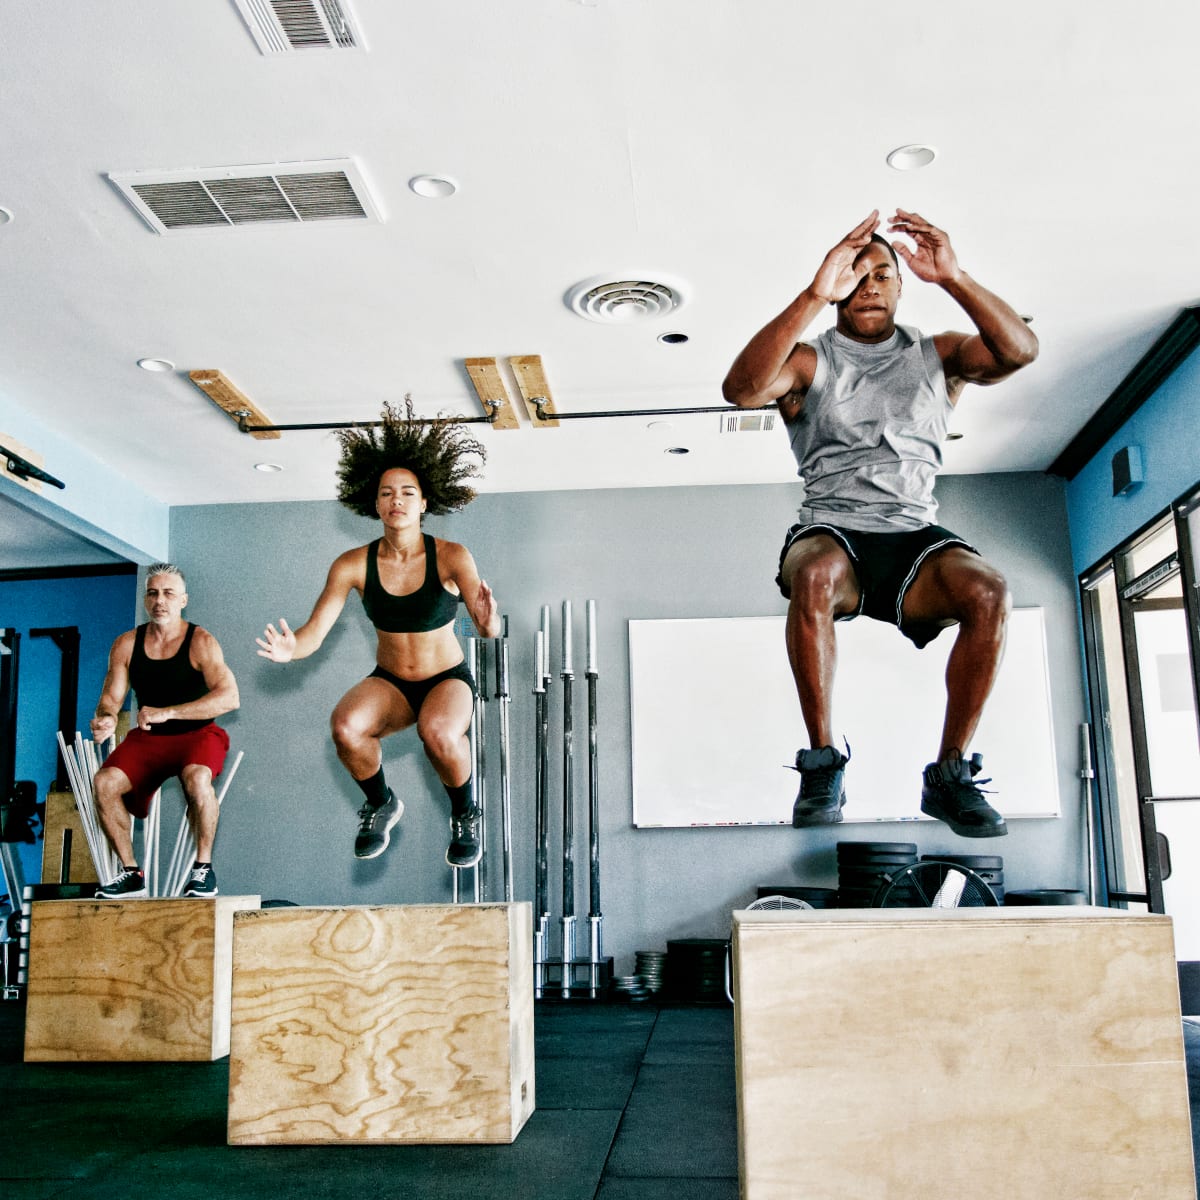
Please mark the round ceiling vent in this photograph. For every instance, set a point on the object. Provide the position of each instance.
(623, 301)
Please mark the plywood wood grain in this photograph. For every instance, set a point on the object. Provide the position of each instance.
(402, 1023)
(1033, 1055)
(130, 980)
(62, 813)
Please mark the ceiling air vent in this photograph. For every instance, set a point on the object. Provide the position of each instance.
(759, 422)
(224, 197)
(622, 301)
(285, 26)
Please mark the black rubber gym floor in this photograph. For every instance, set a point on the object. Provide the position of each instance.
(634, 1102)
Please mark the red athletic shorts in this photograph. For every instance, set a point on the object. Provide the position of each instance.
(148, 760)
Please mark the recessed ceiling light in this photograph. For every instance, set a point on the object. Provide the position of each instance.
(433, 187)
(672, 339)
(156, 364)
(661, 426)
(5, 216)
(911, 158)
(677, 450)
(268, 468)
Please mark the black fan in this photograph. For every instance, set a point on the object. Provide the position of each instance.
(935, 883)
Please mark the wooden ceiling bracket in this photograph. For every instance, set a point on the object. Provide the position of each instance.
(493, 395)
(234, 403)
(530, 375)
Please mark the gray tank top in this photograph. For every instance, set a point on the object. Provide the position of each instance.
(869, 439)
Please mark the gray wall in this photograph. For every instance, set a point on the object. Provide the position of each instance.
(289, 821)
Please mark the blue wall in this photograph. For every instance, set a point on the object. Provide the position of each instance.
(102, 607)
(1165, 428)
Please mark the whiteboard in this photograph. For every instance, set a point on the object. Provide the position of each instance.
(716, 722)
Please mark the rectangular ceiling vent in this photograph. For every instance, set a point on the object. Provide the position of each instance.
(286, 26)
(225, 197)
(759, 422)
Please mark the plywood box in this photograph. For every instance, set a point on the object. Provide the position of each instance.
(130, 980)
(389, 1024)
(1023, 1053)
(62, 814)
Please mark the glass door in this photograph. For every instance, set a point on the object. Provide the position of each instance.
(1142, 633)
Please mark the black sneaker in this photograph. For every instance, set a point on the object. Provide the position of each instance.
(951, 794)
(376, 822)
(464, 849)
(822, 786)
(129, 885)
(201, 882)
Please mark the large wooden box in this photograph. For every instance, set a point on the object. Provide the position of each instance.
(391, 1024)
(1029, 1054)
(62, 814)
(130, 980)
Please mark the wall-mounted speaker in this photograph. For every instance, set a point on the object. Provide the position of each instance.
(1127, 470)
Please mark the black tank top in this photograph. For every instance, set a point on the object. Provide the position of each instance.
(165, 682)
(430, 607)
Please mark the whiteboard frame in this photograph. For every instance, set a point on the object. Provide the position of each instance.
(715, 722)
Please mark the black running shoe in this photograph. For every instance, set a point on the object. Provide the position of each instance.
(376, 822)
(464, 849)
(952, 794)
(201, 882)
(129, 885)
(822, 786)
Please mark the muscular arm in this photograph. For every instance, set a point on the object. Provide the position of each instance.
(1003, 344)
(774, 366)
(284, 644)
(115, 689)
(477, 596)
(221, 697)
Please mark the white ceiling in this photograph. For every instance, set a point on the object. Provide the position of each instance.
(723, 144)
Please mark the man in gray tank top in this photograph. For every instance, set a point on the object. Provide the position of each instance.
(866, 405)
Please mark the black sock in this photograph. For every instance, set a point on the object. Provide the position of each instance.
(374, 788)
(462, 797)
(197, 865)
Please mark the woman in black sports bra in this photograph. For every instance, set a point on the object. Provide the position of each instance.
(411, 585)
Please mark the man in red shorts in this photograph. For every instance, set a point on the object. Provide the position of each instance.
(181, 682)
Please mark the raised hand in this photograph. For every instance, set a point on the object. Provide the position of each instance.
(837, 275)
(934, 259)
(277, 644)
(152, 716)
(485, 612)
(103, 728)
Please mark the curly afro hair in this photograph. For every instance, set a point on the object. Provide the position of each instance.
(439, 453)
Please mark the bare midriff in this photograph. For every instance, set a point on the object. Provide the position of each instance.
(418, 655)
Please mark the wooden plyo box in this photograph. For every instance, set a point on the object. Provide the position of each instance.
(130, 980)
(1029, 1054)
(389, 1024)
(62, 814)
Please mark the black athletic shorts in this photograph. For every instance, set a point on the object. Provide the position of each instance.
(885, 564)
(416, 690)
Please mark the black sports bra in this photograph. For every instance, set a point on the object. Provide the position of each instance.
(430, 607)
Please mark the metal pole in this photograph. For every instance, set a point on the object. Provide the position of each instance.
(568, 830)
(540, 916)
(1086, 775)
(479, 669)
(502, 696)
(595, 919)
